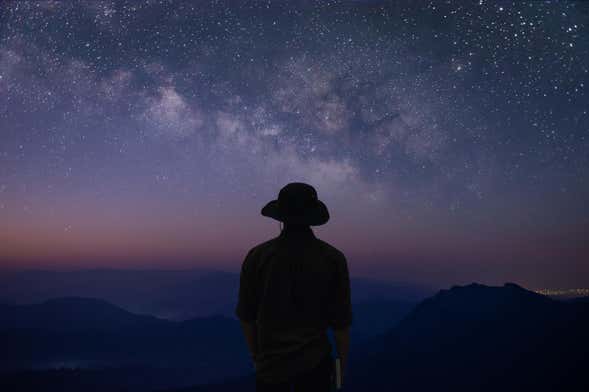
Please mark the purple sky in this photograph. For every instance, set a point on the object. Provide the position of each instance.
(449, 140)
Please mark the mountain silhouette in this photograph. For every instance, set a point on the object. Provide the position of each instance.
(580, 300)
(472, 337)
(481, 338)
(475, 338)
(90, 344)
(72, 313)
(171, 294)
(375, 317)
(89, 333)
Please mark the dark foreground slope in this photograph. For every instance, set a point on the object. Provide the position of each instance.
(482, 338)
(473, 338)
(95, 343)
(75, 344)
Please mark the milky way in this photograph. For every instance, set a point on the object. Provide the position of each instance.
(450, 140)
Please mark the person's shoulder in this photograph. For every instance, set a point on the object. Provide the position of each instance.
(331, 250)
(262, 247)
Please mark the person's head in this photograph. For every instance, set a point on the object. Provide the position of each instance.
(297, 206)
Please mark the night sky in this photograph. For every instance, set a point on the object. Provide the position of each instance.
(449, 140)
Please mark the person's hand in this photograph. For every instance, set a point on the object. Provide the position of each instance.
(342, 373)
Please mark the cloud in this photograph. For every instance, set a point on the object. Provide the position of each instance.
(170, 115)
(335, 178)
(47, 81)
(321, 118)
(9, 59)
(331, 171)
(117, 85)
(305, 88)
(263, 122)
(272, 130)
(407, 131)
(253, 131)
(331, 114)
(104, 14)
(231, 128)
(426, 144)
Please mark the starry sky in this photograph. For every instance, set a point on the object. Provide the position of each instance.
(449, 139)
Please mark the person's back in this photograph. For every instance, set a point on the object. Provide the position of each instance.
(292, 288)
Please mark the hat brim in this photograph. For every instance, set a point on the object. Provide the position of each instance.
(316, 216)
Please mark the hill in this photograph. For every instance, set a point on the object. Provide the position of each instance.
(472, 337)
(481, 338)
(78, 343)
(89, 334)
(171, 294)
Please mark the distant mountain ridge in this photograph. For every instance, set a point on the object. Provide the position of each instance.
(105, 342)
(71, 313)
(172, 294)
(465, 338)
(471, 338)
(89, 333)
(484, 338)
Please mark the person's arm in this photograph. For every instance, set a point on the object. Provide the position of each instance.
(342, 308)
(342, 344)
(246, 308)
(249, 331)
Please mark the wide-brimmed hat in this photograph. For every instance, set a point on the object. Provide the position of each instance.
(297, 203)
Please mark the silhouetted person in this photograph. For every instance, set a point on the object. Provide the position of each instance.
(292, 288)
